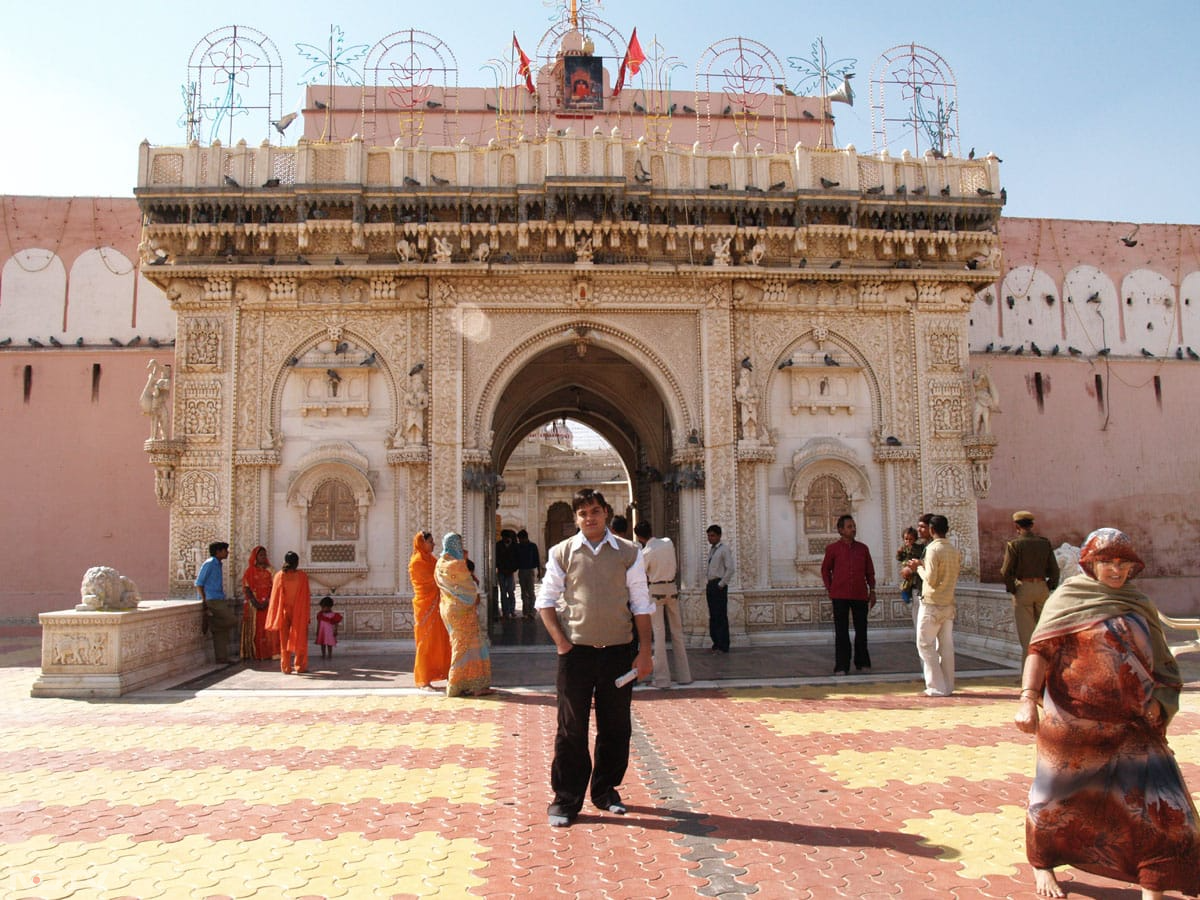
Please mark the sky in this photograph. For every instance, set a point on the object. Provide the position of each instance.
(1091, 105)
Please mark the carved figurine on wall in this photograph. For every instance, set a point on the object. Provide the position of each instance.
(164, 484)
(982, 476)
(442, 252)
(416, 401)
(987, 401)
(721, 254)
(154, 399)
(583, 250)
(747, 398)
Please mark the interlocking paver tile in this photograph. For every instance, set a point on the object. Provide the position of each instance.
(796, 792)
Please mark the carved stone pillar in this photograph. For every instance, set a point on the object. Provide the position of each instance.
(720, 437)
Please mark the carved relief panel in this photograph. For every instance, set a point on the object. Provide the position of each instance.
(204, 345)
(201, 410)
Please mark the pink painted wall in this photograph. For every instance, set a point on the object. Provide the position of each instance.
(78, 489)
(1132, 462)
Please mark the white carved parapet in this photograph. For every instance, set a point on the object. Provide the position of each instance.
(107, 654)
(832, 172)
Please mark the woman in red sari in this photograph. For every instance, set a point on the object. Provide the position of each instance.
(433, 643)
(257, 642)
(1108, 796)
(289, 614)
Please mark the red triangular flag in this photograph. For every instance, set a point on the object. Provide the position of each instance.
(524, 68)
(634, 57)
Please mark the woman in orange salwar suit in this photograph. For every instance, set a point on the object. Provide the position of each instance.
(257, 642)
(433, 641)
(289, 613)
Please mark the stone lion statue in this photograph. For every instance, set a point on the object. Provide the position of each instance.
(104, 588)
(1067, 558)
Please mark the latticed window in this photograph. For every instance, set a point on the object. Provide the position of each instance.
(825, 502)
(333, 513)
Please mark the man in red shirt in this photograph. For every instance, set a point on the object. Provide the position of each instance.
(849, 577)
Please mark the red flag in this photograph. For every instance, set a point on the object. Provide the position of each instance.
(524, 68)
(634, 57)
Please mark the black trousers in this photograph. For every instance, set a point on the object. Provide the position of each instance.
(222, 620)
(587, 673)
(842, 611)
(718, 614)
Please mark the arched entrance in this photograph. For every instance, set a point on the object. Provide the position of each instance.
(598, 385)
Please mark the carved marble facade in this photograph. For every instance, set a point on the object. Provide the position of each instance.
(363, 368)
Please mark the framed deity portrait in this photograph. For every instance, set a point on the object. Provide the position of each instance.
(583, 83)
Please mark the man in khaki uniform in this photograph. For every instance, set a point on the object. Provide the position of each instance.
(1030, 573)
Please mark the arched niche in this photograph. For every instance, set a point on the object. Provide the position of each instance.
(1030, 308)
(33, 286)
(332, 495)
(816, 464)
(100, 302)
(318, 351)
(1092, 318)
(1150, 313)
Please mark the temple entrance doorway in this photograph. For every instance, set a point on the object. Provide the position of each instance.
(567, 420)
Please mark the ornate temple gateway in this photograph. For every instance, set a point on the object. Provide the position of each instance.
(768, 335)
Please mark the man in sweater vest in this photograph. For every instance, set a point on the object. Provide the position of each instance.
(593, 596)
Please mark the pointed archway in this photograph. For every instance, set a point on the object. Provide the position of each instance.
(602, 385)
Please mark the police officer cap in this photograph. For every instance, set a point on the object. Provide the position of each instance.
(1022, 515)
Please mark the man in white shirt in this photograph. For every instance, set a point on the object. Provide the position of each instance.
(661, 564)
(593, 596)
(719, 573)
(935, 622)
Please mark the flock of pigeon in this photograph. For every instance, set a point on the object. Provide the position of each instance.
(135, 341)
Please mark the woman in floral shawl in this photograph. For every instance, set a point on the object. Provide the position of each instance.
(1108, 796)
(432, 662)
(470, 662)
(257, 642)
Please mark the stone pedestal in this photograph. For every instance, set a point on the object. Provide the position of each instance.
(107, 654)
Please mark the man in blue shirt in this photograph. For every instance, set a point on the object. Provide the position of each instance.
(220, 615)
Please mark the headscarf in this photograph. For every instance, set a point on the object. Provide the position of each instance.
(1109, 543)
(258, 579)
(1081, 602)
(252, 566)
(452, 545)
(419, 548)
(420, 571)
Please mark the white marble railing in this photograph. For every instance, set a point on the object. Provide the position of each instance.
(833, 172)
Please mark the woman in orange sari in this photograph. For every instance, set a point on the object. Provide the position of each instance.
(433, 643)
(257, 642)
(289, 613)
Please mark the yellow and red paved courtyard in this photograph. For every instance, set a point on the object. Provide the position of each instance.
(251, 784)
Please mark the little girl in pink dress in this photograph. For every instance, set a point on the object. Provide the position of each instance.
(327, 628)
